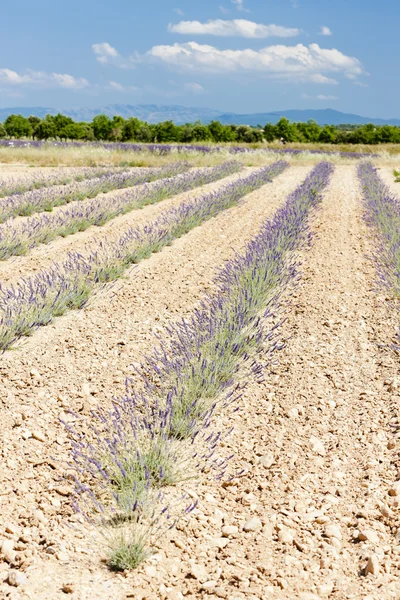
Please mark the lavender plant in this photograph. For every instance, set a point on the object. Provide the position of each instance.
(17, 238)
(45, 199)
(162, 435)
(20, 185)
(35, 300)
(382, 213)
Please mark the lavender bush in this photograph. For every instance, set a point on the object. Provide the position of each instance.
(45, 199)
(35, 181)
(162, 435)
(16, 237)
(35, 300)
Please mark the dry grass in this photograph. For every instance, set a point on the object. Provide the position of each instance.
(53, 156)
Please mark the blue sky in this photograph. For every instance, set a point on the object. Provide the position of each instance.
(232, 55)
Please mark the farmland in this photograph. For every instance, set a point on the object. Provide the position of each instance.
(199, 373)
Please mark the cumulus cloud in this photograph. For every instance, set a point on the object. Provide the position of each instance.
(325, 30)
(194, 88)
(295, 63)
(234, 28)
(118, 87)
(107, 55)
(40, 78)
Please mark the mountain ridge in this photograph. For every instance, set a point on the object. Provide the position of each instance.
(154, 113)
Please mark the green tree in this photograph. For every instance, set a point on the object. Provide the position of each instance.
(270, 133)
(167, 131)
(102, 127)
(130, 129)
(286, 130)
(45, 130)
(3, 132)
(17, 126)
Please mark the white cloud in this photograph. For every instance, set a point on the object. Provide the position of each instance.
(224, 10)
(325, 30)
(318, 78)
(319, 97)
(40, 78)
(295, 63)
(107, 55)
(236, 27)
(194, 88)
(118, 87)
(240, 5)
(179, 11)
(104, 52)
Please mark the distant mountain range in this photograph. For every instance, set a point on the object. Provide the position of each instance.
(153, 113)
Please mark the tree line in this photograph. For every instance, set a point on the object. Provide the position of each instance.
(118, 129)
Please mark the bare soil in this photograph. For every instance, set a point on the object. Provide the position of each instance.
(317, 440)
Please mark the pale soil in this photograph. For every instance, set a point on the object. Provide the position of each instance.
(315, 439)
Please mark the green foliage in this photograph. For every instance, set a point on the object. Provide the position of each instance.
(17, 126)
(3, 132)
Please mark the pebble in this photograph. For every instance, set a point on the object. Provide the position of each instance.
(286, 535)
(372, 565)
(7, 549)
(317, 446)
(228, 530)
(368, 535)
(253, 524)
(68, 588)
(11, 528)
(219, 542)
(199, 572)
(151, 571)
(267, 460)
(333, 531)
(209, 585)
(395, 489)
(38, 435)
(16, 578)
(308, 596)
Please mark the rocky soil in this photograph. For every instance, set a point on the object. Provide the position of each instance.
(316, 512)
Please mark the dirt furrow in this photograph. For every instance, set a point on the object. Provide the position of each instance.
(82, 359)
(315, 514)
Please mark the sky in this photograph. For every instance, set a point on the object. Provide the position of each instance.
(240, 56)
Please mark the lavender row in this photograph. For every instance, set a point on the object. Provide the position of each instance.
(165, 149)
(161, 435)
(10, 187)
(45, 199)
(36, 300)
(16, 237)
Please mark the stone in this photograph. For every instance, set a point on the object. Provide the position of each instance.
(209, 585)
(38, 435)
(7, 550)
(368, 535)
(220, 542)
(16, 578)
(325, 589)
(395, 489)
(372, 566)
(317, 446)
(68, 588)
(199, 572)
(253, 524)
(308, 596)
(11, 528)
(151, 571)
(228, 530)
(333, 531)
(286, 535)
(267, 460)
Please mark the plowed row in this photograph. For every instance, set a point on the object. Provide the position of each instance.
(314, 439)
